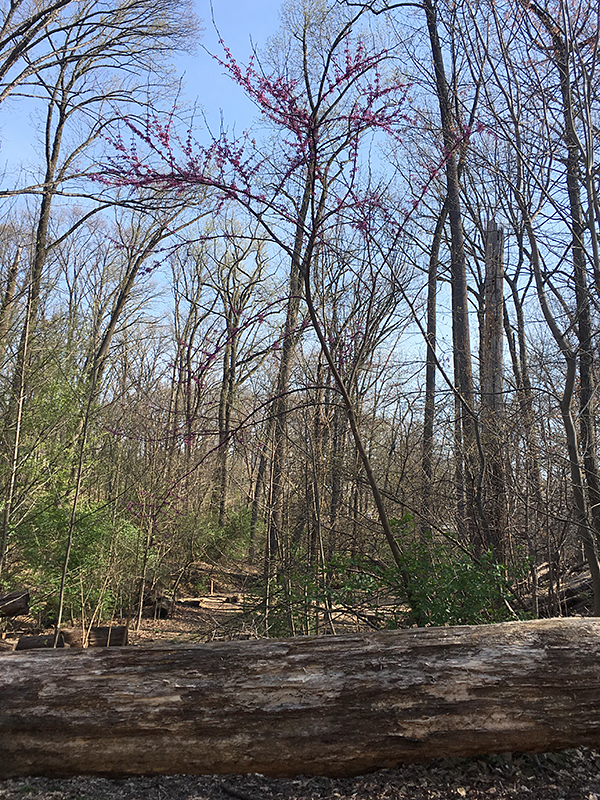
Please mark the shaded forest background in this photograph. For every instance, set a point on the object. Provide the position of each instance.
(354, 354)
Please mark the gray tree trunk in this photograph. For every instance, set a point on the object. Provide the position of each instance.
(336, 705)
(492, 398)
(466, 456)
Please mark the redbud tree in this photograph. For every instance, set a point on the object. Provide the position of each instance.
(330, 90)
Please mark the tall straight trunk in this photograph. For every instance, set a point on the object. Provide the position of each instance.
(290, 338)
(583, 327)
(56, 120)
(520, 364)
(257, 495)
(535, 509)
(53, 142)
(315, 432)
(459, 473)
(492, 379)
(280, 410)
(317, 468)
(276, 428)
(577, 482)
(8, 302)
(339, 441)
(430, 370)
(16, 436)
(463, 378)
(226, 393)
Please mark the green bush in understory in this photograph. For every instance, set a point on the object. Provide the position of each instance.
(100, 563)
(449, 587)
(201, 538)
(230, 540)
(439, 584)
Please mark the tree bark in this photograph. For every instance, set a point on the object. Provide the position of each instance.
(492, 399)
(463, 376)
(14, 603)
(430, 374)
(336, 705)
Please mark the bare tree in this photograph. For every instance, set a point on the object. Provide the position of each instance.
(328, 97)
(23, 40)
(546, 98)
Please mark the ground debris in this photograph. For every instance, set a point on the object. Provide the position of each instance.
(568, 775)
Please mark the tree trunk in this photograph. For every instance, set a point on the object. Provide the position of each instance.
(492, 400)
(430, 370)
(463, 376)
(228, 380)
(535, 508)
(7, 304)
(336, 705)
(14, 436)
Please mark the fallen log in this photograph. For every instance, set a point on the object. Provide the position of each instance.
(14, 603)
(96, 636)
(43, 642)
(335, 705)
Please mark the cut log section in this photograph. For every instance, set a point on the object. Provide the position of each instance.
(44, 642)
(14, 603)
(324, 706)
(97, 636)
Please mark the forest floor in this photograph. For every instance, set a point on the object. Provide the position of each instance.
(198, 619)
(568, 775)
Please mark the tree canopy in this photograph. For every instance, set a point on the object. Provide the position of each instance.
(354, 354)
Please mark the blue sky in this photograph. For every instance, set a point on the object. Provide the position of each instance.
(241, 23)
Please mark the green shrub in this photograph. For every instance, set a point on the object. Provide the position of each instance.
(100, 563)
(215, 543)
(445, 586)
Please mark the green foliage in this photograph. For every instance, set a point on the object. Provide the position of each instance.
(189, 537)
(101, 560)
(217, 543)
(107, 555)
(446, 586)
(455, 590)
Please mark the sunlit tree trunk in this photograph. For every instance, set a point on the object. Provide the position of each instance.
(463, 378)
(430, 372)
(492, 384)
